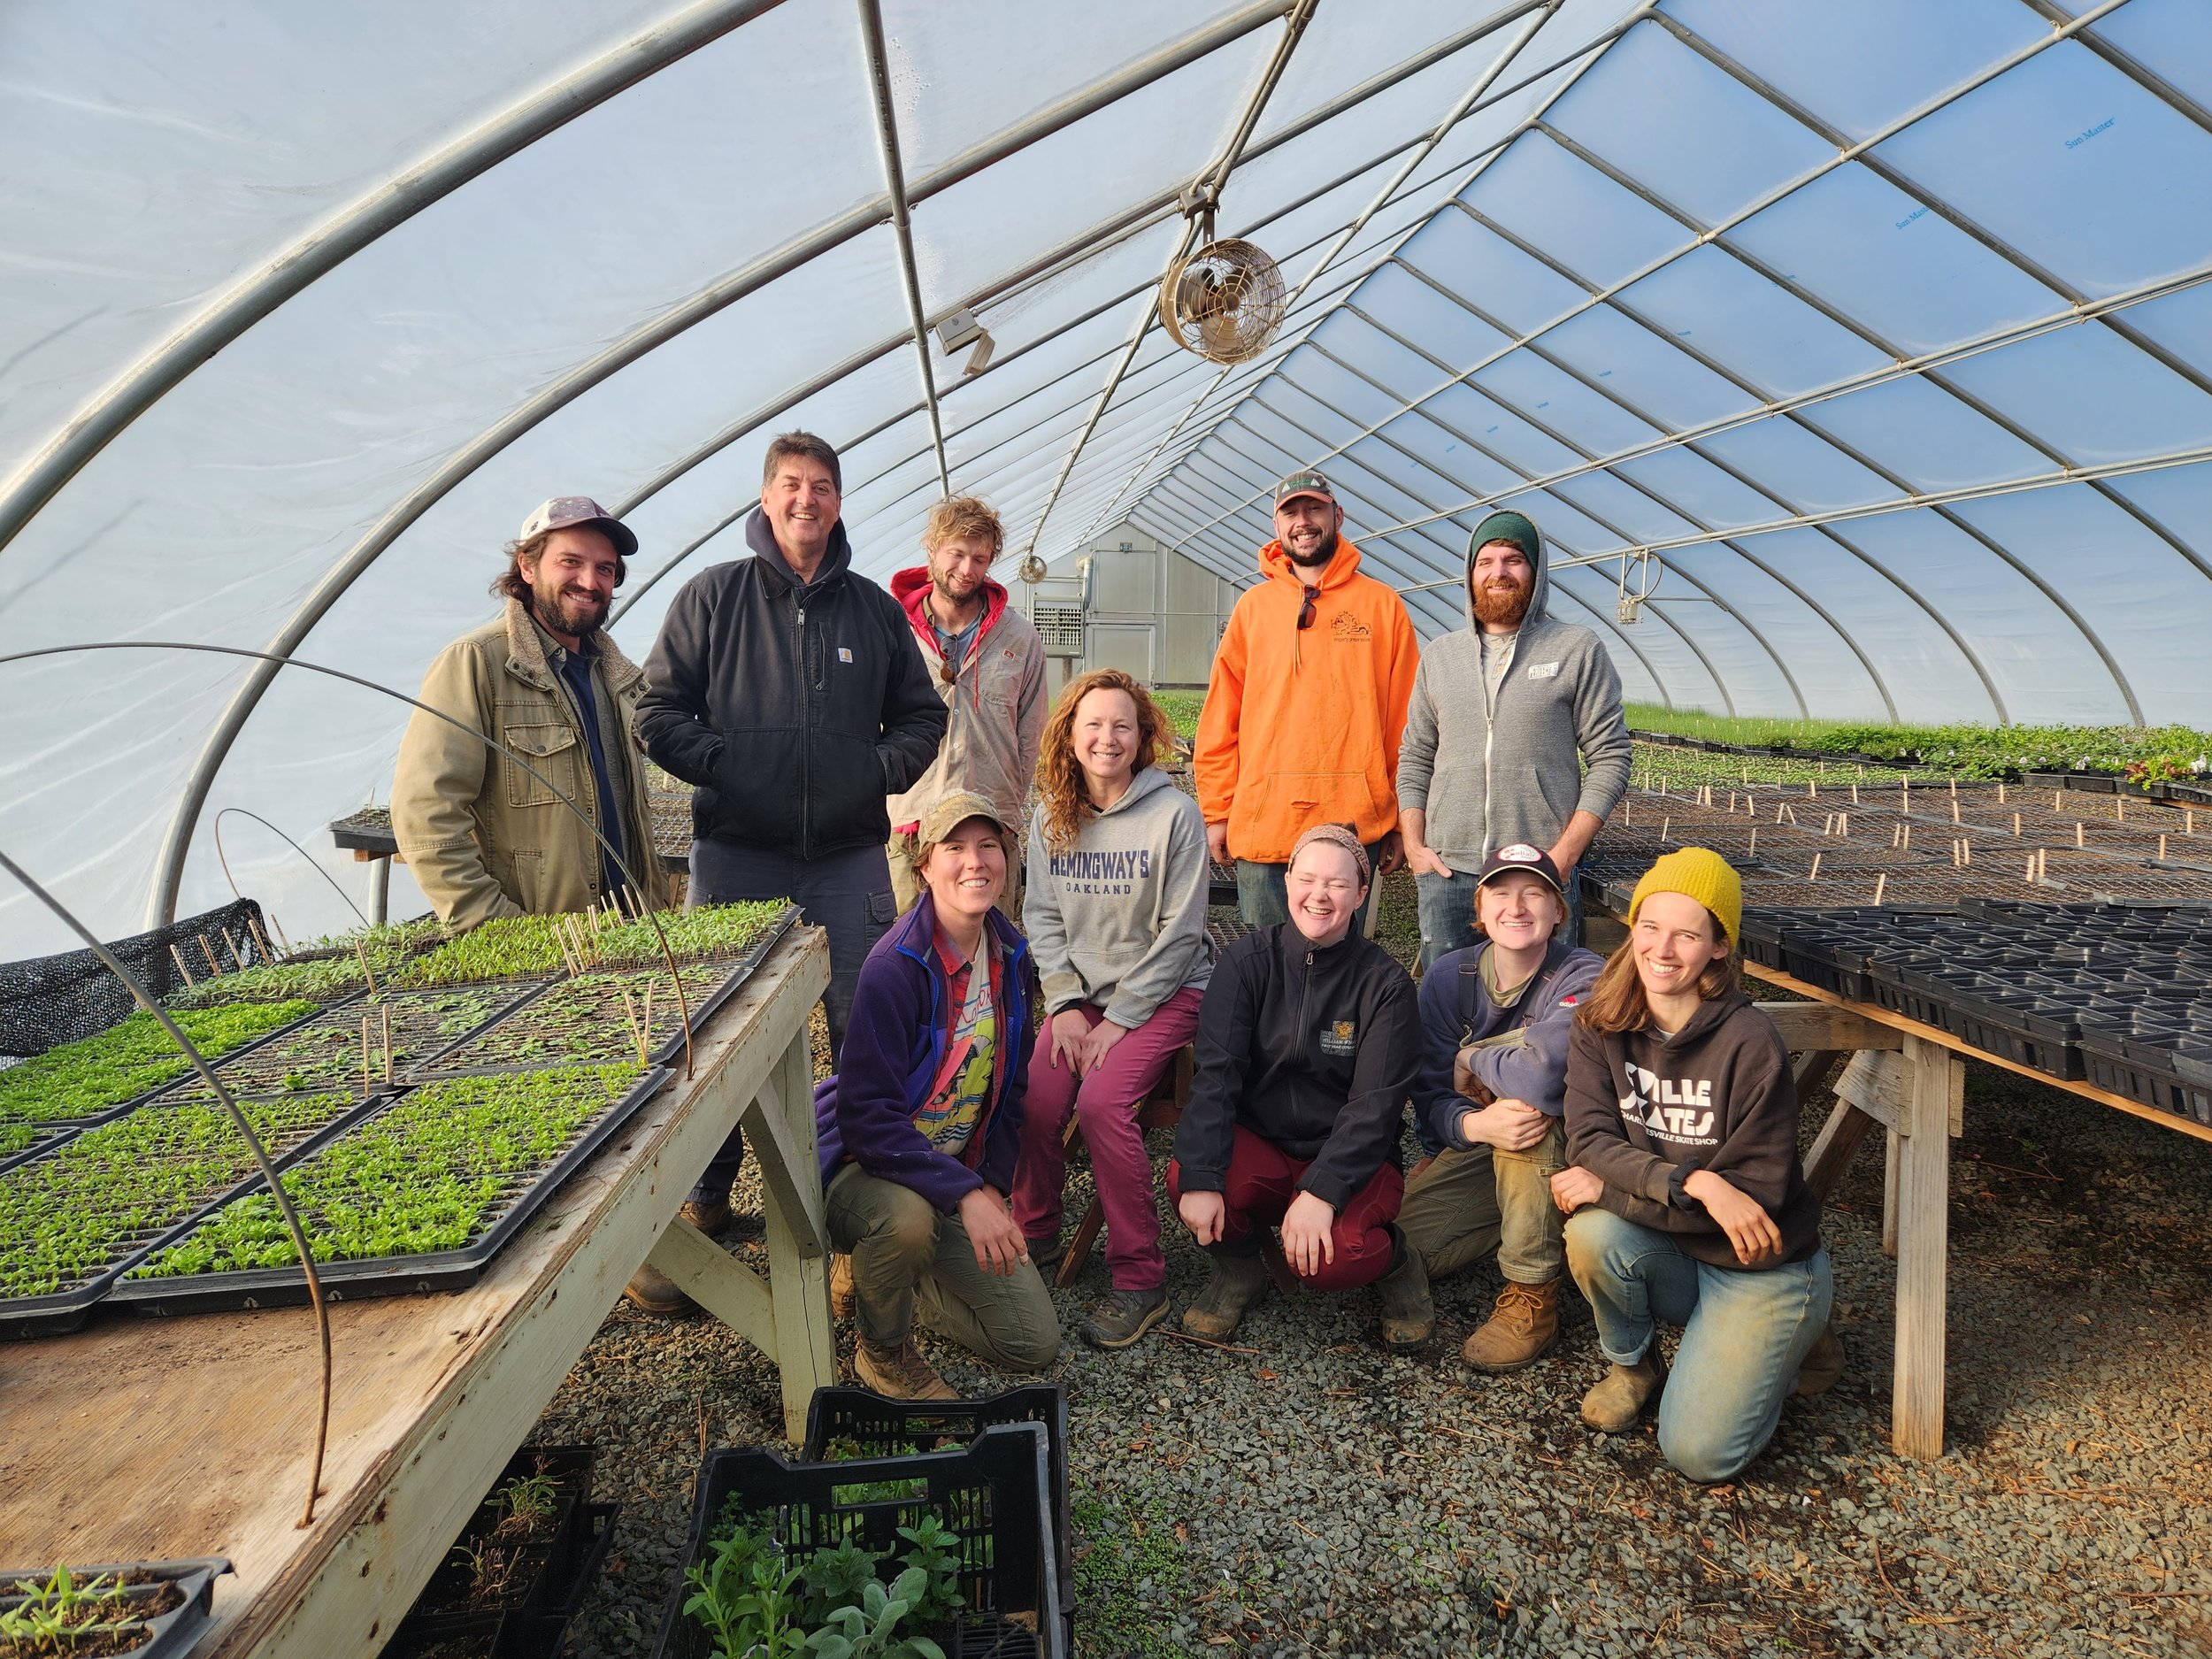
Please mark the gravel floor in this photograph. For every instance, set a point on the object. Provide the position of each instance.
(1312, 1495)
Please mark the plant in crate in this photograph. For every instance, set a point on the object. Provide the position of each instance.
(58, 1616)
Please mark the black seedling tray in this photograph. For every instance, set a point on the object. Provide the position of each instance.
(123, 1108)
(391, 1275)
(2046, 1043)
(44, 1139)
(63, 1310)
(882, 1426)
(169, 1635)
(995, 1493)
(506, 999)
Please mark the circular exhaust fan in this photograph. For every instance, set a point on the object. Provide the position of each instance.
(1225, 302)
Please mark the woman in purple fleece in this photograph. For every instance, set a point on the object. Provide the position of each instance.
(920, 1128)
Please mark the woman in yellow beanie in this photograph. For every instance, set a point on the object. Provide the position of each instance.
(1684, 1197)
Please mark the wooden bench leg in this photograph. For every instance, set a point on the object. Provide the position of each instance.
(1834, 1147)
(1923, 1194)
(1080, 1246)
(1890, 1164)
(806, 1336)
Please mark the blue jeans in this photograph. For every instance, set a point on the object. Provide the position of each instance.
(1262, 900)
(1447, 913)
(847, 895)
(1745, 1333)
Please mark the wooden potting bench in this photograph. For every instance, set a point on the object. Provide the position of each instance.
(138, 1440)
(1909, 1080)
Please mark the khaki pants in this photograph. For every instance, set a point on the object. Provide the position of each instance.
(906, 882)
(907, 1257)
(1466, 1204)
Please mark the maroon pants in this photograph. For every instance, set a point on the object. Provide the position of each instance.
(1263, 1180)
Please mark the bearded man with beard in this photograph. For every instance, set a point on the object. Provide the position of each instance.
(1514, 734)
(483, 836)
(1304, 705)
(988, 663)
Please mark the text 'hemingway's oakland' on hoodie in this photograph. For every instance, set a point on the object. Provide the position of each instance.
(1490, 768)
(1644, 1112)
(1119, 919)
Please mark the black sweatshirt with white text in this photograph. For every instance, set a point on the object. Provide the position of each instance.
(1644, 1112)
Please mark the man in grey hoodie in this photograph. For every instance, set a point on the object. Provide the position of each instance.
(1500, 711)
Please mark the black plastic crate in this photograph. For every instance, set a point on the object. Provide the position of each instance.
(887, 1428)
(995, 1493)
(169, 1635)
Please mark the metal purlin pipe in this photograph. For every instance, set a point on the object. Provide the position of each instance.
(261, 291)
(1544, 354)
(705, 303)
(1543, 10)
(1833, 314)
(1881, 687)
(1214, 177)
(1846, 153)
(902, 220)
(1108, 233)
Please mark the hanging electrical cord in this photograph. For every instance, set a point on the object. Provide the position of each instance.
(668, 953)
(145, 1000)
(1198, 200)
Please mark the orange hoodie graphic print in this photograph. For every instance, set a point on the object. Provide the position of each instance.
(1301, 725)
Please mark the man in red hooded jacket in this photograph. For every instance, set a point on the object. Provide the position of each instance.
(1306, 705)
(988, 663)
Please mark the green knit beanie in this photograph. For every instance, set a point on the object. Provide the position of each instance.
(1506, 526)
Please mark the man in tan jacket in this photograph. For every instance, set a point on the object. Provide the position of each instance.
(988, 663)
(483, 837)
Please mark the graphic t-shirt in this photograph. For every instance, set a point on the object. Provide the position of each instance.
(948, 1117)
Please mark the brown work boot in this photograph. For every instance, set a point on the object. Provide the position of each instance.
(1409, 1314)
(844, 1298)
(653, 1292)
(900, 1372)
(1237, 1285)
(1520, 1331)
(1823, 1367)
(1620, 1396)
(711, 1216)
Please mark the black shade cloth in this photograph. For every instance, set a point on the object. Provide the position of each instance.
(49, 1000)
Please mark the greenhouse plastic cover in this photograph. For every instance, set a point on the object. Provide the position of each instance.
(1870, 339)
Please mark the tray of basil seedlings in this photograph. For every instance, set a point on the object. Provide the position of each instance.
(418, 1195)
(914, 1557)
(150, 1609)
(75, 1218)
(99, 1078)
(363, 1045)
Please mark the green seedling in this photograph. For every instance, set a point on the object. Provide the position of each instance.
(78, 1079)
(744, 1595)
(56, 1617)
(529, 1502)
(869, 1630)
(935, 1555)
(516, 947)
(431, 1172)
(321, 970)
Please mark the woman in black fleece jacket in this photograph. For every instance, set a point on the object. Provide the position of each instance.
(1685, 1198)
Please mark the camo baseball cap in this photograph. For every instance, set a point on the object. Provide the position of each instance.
(567, 512)
(1307, 483)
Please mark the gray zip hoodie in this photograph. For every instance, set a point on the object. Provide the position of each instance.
(1491, 770)
(1119, 921)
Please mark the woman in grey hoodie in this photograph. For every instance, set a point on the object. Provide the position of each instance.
(1117, 918)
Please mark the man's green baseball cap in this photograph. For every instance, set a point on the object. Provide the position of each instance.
(1304, 484)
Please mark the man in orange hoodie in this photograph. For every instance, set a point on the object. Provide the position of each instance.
(1306, 705)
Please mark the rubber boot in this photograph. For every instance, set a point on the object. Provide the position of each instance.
(1237, 1285)
(1408, 1313)
(1620, 1396)
(1520, 1330)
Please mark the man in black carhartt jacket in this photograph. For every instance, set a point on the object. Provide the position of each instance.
(791, 691)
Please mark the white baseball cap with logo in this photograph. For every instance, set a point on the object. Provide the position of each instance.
(569, 512)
